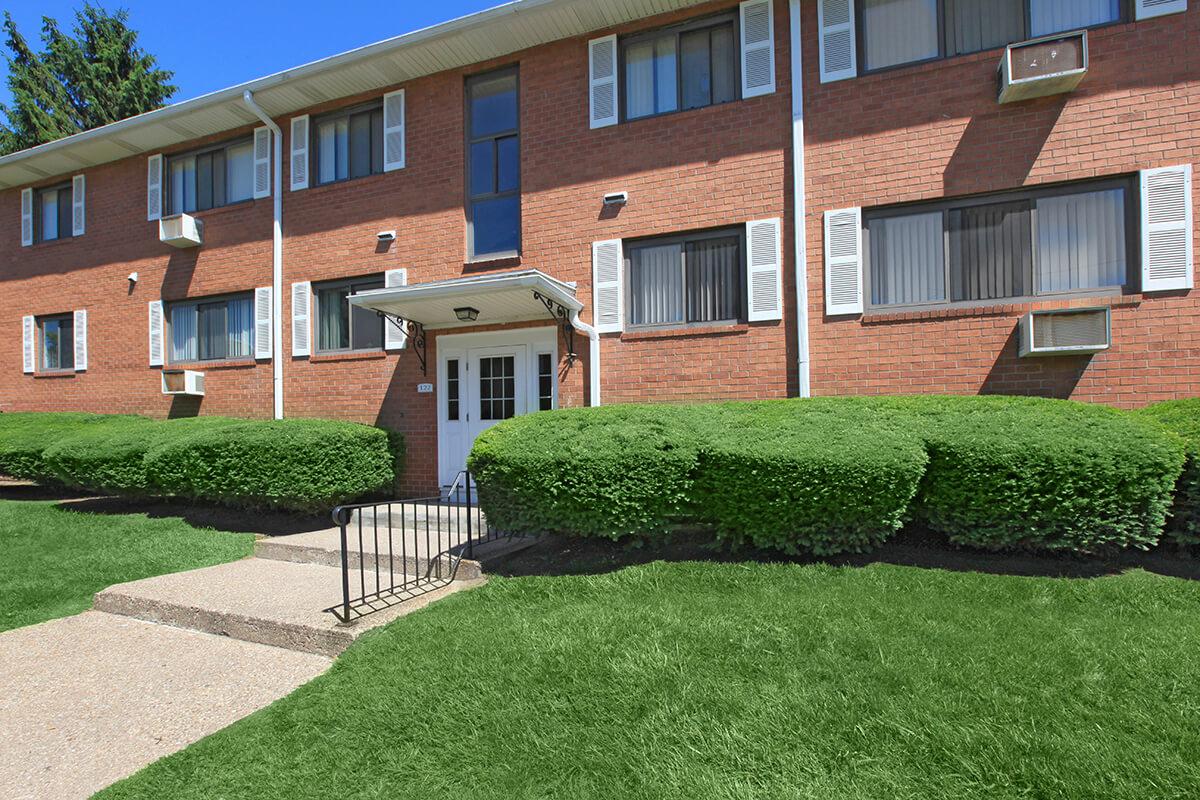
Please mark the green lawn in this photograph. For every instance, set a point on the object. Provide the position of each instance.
(53, 560)
(740, 681)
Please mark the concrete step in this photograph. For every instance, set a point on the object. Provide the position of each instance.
(261, 600)
(411, 552)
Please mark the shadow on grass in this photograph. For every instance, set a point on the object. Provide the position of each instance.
(911, 547)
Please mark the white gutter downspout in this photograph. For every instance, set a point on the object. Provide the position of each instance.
(593, 357)
(276, 253)
(800, 206)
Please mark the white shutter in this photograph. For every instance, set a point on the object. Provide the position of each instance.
(262, 322)
(393, 337)
(299, 156)
(843, 262)
(608, 286)
(1167, 229)
(835, 20)
(154, 186)
(393, 131)
(78, 205)
(262, 162)
(80, 340)
(603, 93)
(758, 48)
(29, 350)
(764, 270)
(156, 333)
(26, 217)
(301, 319)
(1157, 8)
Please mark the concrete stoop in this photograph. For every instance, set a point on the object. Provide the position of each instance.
(410, 555)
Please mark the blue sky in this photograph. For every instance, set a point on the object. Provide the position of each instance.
(225, 42)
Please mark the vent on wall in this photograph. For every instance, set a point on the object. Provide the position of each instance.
(1068, 332)
(1041, 67)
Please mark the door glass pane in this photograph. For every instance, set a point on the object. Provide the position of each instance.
(990, 251)
(724, 65)
(713, 285)
(183, 333)
(497, 388)
(907, 259)
(493, 104)
(1054, 16)
(1081, 241)
(496, 225)
(973, 25)
(656, 277)
(333, 319)
(696, 72)
(239, 169)
(508, 167)
(483, 168)
(360, 145)
(899, 31)
(452, 389)
(545, 381)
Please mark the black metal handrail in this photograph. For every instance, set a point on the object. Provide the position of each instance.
(401, 549)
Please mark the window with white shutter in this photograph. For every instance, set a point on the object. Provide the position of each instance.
(602, 95)
(764, 270)
(157, 334)
(394, 146)
(608, 291)
(301, 319)
(758, 48)
(393, 337)
(29, 344)
(26, 217)
(262, 322)
(262, 162)
(154, 184)
(78, 205)
(81, 334)
(1167, 230)
(299, 153)
(835, 22)
(843, 262)
(1146, 9)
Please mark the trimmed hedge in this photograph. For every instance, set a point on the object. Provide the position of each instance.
(297, 464)
(1182, 417)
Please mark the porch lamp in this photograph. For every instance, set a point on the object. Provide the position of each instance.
(466, 314)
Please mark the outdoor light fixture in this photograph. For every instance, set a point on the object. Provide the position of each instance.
(466, 314)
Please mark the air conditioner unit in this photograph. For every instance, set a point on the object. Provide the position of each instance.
(183, 381)
(181, 230)
(1067, 332)
(1045, 66)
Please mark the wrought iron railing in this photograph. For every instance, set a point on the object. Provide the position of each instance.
(396, 550)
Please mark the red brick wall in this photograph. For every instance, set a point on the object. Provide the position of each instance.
(705, 168)
(936, 130)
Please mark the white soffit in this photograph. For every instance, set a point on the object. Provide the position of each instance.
(489, 34)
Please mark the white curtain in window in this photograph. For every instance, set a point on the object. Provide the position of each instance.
(907, 259)
(657, 281)
(1055, 16)
(183, 185)
(241, 327)
(49, 215)
(900, 31)
(183, 333)
(334, 143)
(1081, 241)
(239, 171)
(639, 79)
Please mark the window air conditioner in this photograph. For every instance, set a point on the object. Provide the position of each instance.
(183, 381)
(1068, 332)
(1045, 66)
(181, 230)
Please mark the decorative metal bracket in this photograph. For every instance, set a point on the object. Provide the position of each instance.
(563, 317)
(415, 332)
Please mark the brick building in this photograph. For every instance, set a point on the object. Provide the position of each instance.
(563, 202)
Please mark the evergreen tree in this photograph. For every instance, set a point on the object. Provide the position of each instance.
(96, 76)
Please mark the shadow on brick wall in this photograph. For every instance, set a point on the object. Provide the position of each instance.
(1000, 149)
(1041, 376)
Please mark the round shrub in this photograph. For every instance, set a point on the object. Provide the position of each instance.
(301, 464)
(607, 471)
(25, 436)
(1182, 417)
(812, 475)
(1045, 474)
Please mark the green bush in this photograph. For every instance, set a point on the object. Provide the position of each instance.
(25, 436)
(607, 471)
(302, 464)
(1183, 418)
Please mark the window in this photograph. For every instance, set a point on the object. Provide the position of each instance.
(493, 165)
(211, 178)
(210, 330)
(1063, 239)
(545, 363)
(688, 66)
(497, 387)
(53, 209)
(685, 279)
(894, 32)
(58, 342)
(349, 144)
(341, 326)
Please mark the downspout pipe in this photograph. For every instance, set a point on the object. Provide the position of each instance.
(800, 205)
(276, 251)
(593, 357)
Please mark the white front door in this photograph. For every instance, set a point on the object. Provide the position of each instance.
(482, 385)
